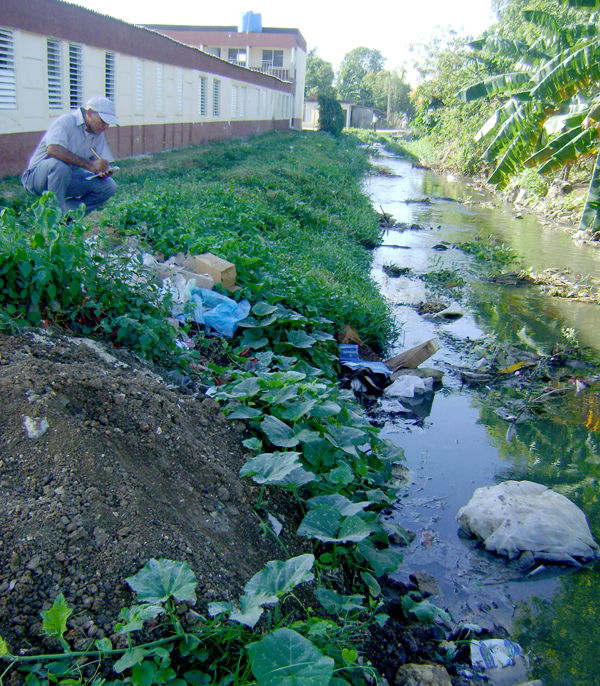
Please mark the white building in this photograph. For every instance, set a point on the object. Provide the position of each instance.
(54, 56)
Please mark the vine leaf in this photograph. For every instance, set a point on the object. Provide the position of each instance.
(160, 579)
(55, 619)
(285, 658)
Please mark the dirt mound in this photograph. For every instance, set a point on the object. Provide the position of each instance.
(129, 468)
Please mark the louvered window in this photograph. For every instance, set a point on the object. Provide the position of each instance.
(234, 93)
(179, 89)
(160, 87)
(216, 98)
(110, 75)
(202, 96)
(243, 103)
(139, 86)
(8, 84)
(75, 76)
(54, 75)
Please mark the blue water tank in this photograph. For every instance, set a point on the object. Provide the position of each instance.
(250, 22)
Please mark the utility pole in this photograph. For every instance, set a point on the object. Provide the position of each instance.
(389, 107)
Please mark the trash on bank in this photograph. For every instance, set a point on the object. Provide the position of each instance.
(412, 358)
(35, 428)
(409, 386)
(453, 311)
(519, 517)
(494, 653)
(366, 376)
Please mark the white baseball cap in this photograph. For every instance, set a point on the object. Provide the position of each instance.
(105, 109)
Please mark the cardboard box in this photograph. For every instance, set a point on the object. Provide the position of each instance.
(411, 359)
(222, 271)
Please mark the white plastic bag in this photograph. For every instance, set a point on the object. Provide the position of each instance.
(408, 386)
(518, 516)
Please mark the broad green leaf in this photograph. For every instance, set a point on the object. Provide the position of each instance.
(270, 467)
(335, 602)
(321, 627)
(371, 583)
(341, 475)
(358, 421)
(282, 395)
(298, 477)
(322, 523)
(279, 433)
(160, 579)
(252, 443)
(253, 338)
(425, 611)
(103, 645)
(322, 336)
(355, 529)
(263, 308)
(251, 610)
(504, 83)
(339, 502)
(307, 436)
(574, 147)
(130, 658)
(383, 561)
(245, 389)
(295, 411)
(219, 608)
(326, 409)
(387, 450)
(197, 678)
(400, 531)
(3, 648)
(346, 438)
(319, 453)
(245, 412)
(278, 578)
(285, 658)
(136, 615)
(300, 339)
(249, 323)
(143, 673)
(55, 619)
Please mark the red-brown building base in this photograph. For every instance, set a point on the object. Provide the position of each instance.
(126, 141)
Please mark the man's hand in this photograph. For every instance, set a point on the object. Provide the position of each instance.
(96, 166)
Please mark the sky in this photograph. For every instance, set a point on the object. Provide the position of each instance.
(388, 26)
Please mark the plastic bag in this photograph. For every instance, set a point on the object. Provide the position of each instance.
(494, 652)
(519, 516)
(408, 386)
(219, 312)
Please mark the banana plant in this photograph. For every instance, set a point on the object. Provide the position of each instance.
(547, 101)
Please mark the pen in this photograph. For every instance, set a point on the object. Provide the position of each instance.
(95, 153)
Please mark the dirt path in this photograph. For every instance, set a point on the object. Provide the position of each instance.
(129, 468)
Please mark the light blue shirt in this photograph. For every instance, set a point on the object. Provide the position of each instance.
(69, 131)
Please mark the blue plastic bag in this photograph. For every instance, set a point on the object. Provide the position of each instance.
(218, 312)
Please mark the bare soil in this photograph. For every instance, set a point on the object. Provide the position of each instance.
(131, 467)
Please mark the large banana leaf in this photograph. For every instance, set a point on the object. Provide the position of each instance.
(499, 116)
(507, 132)
(543, 19)
(494, 86)
(499, 45)
(579, 145)
(580, 3)
(520, 147)
(562, 149)
(557, 123)
(571, 75)
(590, 218)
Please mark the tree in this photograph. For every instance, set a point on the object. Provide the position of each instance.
(331, 115)
(356, 65)
(545, 101)
(400, 100)
(319, 75)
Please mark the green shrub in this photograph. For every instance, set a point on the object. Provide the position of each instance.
(331, 115)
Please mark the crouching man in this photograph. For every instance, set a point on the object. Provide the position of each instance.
(73, 149)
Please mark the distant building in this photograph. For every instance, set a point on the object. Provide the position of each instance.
(354, 115)
(277, 52)
(54, 56)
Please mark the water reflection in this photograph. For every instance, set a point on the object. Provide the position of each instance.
(460, 442)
